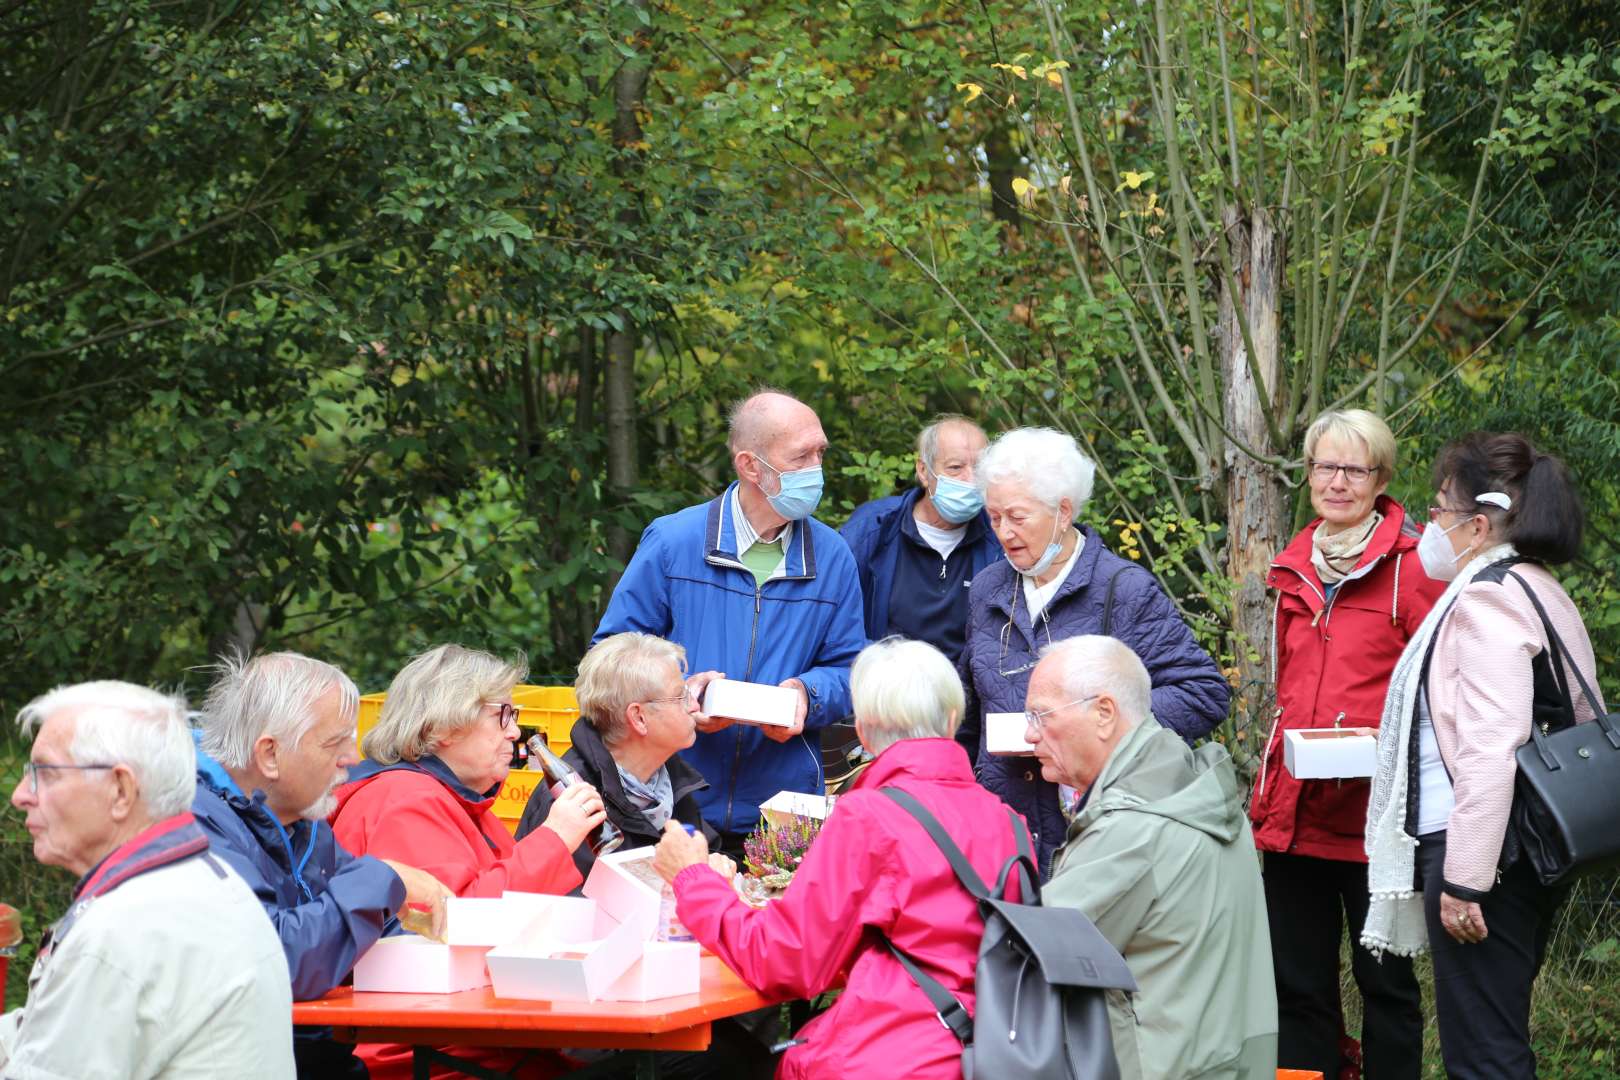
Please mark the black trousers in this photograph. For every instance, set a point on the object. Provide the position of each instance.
(1482, 992)
(1309, 901)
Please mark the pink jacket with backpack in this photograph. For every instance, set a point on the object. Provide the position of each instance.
(872, 872)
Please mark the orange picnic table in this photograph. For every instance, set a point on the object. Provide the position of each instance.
(479, 1018)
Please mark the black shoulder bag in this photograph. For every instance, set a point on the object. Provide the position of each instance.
(1040, 981)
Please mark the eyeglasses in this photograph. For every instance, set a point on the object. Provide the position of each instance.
(685, 697)
(1033, 719)
(1435, 512)
(506, 714)
(1355, 474)
(32, 769)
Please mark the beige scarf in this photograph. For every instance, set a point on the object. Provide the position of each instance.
(1335, 555)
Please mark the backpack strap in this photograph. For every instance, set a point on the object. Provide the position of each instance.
(1108, 603)
(969, 877)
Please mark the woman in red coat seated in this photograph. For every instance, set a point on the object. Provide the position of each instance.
(873, 873)
(434, 763)
(1351, 592)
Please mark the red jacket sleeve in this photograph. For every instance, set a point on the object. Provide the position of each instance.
(796, 946)
(415, 821)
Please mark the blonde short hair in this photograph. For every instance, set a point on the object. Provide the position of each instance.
(621, 670)
(1360, 424)
(904, 690)
(437, 694)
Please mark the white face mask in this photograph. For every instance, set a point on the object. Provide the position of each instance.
(1434, 551)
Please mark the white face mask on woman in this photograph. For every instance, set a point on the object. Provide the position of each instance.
(1435, 553)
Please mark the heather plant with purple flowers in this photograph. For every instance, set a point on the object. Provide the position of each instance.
(774, 852)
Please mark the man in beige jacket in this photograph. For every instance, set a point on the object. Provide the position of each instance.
(1161, 858)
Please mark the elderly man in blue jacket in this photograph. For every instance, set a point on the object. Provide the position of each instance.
(755, 589)
(917, 553)
(276, 740)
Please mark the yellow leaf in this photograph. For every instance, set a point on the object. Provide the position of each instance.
(1012, 99)
(1380, 147)
(1017, 69)
(574, 475)
(1134, 180)
(1063, 185)
(1134, 553)
(973, 91)
(1025, 191)
(1055, 78)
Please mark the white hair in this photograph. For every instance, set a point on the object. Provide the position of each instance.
(1048, 463)
(928, 437)
(1093, 664)
(619, 670)
(119, 723)
(904, 690)
(437, 694)
(274, 694)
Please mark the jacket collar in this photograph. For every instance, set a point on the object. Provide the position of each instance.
(720, 541)
(428, 765)
(1006, 600)
(588, 744)
(975, 528)
(917, 759)
(276, 839)
(163, 844)
(1293, 572)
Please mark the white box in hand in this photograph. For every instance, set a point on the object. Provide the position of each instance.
(1004, 733)
(751, 703)
(1330, 753)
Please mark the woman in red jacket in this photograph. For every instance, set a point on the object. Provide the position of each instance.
(434, 763)
(1350, 593)
(872, 874)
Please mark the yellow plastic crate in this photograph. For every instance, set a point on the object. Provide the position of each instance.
(551, 709)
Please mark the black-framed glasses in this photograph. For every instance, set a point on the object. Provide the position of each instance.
(32, 769)
(1355, 474)
(1034, 719)
(506, 714)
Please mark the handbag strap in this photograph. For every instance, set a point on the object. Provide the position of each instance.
(1561, 658)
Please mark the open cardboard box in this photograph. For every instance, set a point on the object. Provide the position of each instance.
(407, 964)
(1004, 733)
(786, 804)
(1330, 753)
(751, 703)
(610, 954)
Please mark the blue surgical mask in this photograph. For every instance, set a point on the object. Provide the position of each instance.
(799, 492)
(1044, 563)
(957, 502)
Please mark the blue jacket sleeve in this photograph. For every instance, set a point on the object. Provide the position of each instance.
(827, 683)
(1190, 695)
(859, 533)
(641, 599)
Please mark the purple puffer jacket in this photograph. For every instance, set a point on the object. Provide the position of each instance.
(1190, 695)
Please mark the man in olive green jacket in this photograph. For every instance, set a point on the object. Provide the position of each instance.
(1160, 857)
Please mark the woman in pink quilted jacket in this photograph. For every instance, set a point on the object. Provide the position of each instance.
(872, 874)
(1460, 705)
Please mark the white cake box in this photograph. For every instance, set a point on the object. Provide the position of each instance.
(570, 954)
(666, 969)
(751, 703)
(786, 804)
(1330, 753)
(1004, 733)
(407, 964)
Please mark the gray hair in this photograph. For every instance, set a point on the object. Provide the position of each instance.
(618, 671)
(119, 723)
(904, 690)
(928, 437)
(1050, 464)
(437, 694)
(1094, 664)
(273, 694)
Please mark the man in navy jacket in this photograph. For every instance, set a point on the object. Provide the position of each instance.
(276, 740)
(917, 553)
(758, 590)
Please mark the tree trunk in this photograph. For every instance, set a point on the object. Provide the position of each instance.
(619, 373)
(1004, 167)
(1256, 494)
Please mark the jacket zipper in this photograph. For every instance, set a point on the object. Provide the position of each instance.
(736, 761)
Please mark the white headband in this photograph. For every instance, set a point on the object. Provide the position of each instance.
(1495, 498)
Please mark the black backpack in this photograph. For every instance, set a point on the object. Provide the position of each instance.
(1041, 980)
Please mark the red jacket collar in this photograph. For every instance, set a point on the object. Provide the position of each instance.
(1292, 570)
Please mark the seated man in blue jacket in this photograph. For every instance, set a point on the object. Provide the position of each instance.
(276, 740)
(755, 588)
(917, 553)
